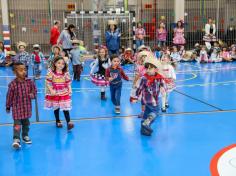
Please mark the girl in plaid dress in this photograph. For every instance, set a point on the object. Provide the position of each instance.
(20, 93)
(58, 91)
(169, 81)
(98, 69)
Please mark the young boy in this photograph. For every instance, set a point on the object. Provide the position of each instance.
(114, 75)
(76, 54)
(37, 58)
(149, 89)
(20, 93)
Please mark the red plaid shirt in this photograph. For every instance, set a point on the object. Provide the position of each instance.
(18, 98)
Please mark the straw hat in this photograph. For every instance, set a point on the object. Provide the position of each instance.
(20, 43)
(143, 47)
(128, 49)
(56, 46)
(75, 41)
(151, 59)
(112, 22)
(10, 53)
(36, 46)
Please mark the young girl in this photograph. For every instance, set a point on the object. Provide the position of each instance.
(175, 55)
(127, 57)
(215, 55)
(58, 91)
(161, 35)
(139, 34)
(37, 58)
(233, 52)
(20, 93)
(98, 69)
(224, 54)
(179, 34)
(22, 56)
(114, 75)
(203, 55)
(56, 51)
(169, 81)
(149, 89)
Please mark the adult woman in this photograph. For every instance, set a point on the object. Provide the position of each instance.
(66, 37)
(139, 34)
(210, 30)
(112, 36)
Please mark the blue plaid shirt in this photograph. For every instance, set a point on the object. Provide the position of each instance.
(23, 57)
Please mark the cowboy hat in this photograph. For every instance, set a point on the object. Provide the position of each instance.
(36, 46)
(20, 43)
(75, 41)
(112, 22)
(56, 46)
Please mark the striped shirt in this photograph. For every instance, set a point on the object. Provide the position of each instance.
(18, 98)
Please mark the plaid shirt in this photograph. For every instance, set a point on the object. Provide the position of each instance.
(18, 98)
(23, 57)
(149, 93)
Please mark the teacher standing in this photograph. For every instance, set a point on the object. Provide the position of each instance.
(54, 33)
(66, 37)
(112, 36)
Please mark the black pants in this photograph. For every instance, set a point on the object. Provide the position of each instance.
(77, 69)
(66, 114)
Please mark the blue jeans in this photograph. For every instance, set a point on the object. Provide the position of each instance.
(111, 52)
(150, 110)
(161, 43)
(115, 90)
(139, 43)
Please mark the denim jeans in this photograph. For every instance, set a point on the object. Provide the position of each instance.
(111, 52)
(139, 43)
(25, 123)
(161, 43)
(116, 93)
(150, 110)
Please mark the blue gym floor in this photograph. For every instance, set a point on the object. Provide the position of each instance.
(199, 122)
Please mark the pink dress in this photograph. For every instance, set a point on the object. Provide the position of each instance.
(60, 83)
(179, 36)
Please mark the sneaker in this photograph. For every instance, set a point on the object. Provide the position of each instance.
(141, 115)
(167, 105)
(147, 128)
(16, 144)
(59, 125)
(117, 110)
(70, 125)
(163, 109)
(27, 140)
(145, 132)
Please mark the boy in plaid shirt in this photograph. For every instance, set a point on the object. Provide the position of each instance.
(149, 89)
(20, 93)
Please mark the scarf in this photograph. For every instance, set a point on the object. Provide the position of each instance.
(36, 58)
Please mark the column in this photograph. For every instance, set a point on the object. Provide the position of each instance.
(5, 22)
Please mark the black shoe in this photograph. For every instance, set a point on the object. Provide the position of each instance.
(167, 105)
(27, 140)
(145, 132)
(103, 96)
(163, 109)
(148, 128)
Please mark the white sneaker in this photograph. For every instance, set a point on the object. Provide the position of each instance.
(27, 140)
(16, 144)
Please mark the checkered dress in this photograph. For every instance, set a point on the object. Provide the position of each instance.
(18, 98)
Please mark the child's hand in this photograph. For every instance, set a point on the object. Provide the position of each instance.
(31, 95)
(110, 79)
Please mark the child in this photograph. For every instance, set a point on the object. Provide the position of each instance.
(2, 58)
(175, 55)
(22, 55)
(149, 89)
(215, 57)
(127, 57)
(76, 54)
(224, 54)
(233, 52)
(161, 35)
(56, 51)
(98, 70)
(169, 81)
(139, 34)
(182, 52)
(20, 93)
(37, 57)
(203, 55)
(115, 74)
(58, 91)
(179, 34)
(158, 52)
